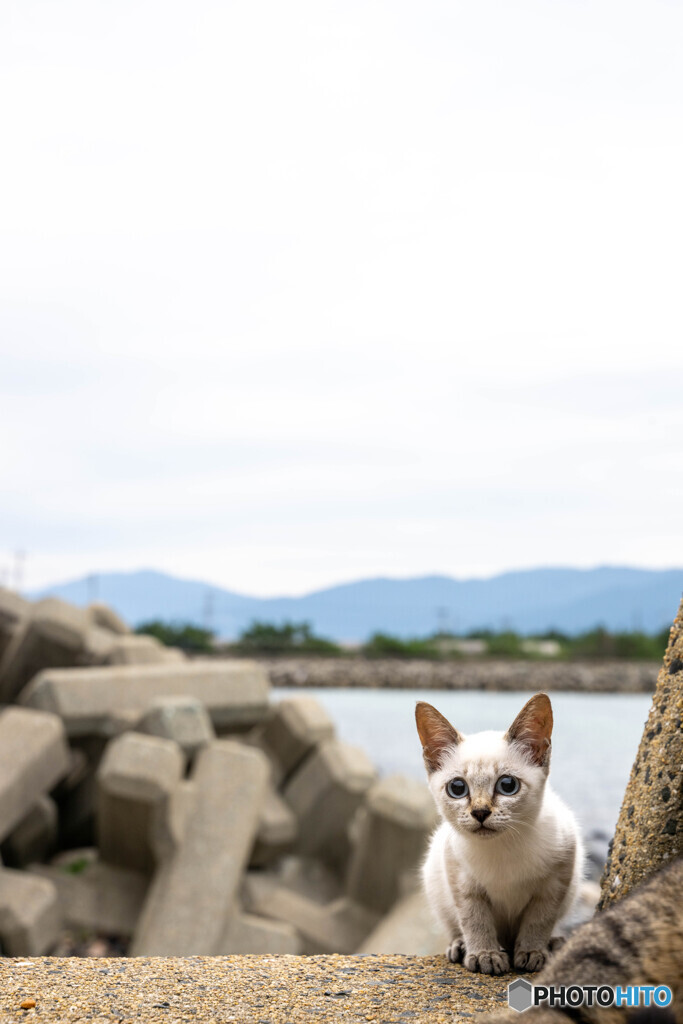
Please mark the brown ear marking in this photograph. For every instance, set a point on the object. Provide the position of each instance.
(436, 734)
(532, 728)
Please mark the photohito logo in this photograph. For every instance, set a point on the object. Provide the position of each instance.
(522, 995)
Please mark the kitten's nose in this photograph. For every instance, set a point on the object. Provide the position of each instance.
(480, 813)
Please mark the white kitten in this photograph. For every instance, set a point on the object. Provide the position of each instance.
(505, 864)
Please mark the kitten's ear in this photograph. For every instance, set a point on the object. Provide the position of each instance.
(436, 734)
(533, 727)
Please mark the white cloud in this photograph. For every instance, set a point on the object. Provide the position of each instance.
(296, 293)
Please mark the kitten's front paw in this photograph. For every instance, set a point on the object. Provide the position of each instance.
(488, 961)
(530, 959)
(455, 951)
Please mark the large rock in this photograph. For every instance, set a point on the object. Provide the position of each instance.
(53, 634)
(29, 914)
(136, 782)
(98, 701)
(96, 897)
(650, 826)
(325, 793)
(33, 757)
(295, 726)
(194, 891)
(390, 836)
(13, 608)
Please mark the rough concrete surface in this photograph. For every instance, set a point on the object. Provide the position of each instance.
(249, 989)
(235, 693)
(650, 827)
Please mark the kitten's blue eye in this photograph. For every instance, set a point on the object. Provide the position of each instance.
(507, 785)
(457, 788)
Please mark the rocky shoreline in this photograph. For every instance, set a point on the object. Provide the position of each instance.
(466, 674)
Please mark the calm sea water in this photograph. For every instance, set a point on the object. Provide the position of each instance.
(595, 737)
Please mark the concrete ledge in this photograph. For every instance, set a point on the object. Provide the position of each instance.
(249, 989)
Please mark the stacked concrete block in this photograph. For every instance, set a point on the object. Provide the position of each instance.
(33, 758)
(294, 728)
(277, 831)
(182, 719)
(94, 896)
(53, 633)
(308, 876)
(408, 928)
(29, 914)
(250, 933)
(135, 785)
(325, 793)
(337, 927)
(91, 701)
(140, 650)
(102, 615)
(13, 609)
(173, 817)
(194, 891)
(390, 835)
(35, 837)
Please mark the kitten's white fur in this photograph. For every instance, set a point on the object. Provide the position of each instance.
(501, 885)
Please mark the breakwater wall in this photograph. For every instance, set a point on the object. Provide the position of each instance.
(484, 674)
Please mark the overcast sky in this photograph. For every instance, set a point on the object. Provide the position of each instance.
(295, 293)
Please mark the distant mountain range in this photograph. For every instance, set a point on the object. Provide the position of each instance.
(530, 601)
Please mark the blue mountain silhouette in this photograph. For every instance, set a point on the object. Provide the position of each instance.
(529, 601)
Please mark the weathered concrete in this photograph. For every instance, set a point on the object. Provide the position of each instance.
(97, 897)
(277, 831)
(35, 836)
(91, 701)
(103, 615)
(136, 650)
(194, 890)
(182, 719)
(325, 793)
(390, 834)
(136, 781)
(339, 927)
(409, 927)
(248, 933)
(650, 826)
(308, 876)
(13, 608)
(29, 914)
(248, 989)
(295, 726)
(54, 633)
(33, 757)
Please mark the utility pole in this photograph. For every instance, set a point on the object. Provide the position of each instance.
(92, 584)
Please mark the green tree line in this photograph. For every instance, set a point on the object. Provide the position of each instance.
(298, 638)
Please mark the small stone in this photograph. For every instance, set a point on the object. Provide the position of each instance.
(28, 1004)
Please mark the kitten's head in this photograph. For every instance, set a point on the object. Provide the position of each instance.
(488, 783)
